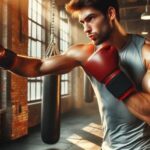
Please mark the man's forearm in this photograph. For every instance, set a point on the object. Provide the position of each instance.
(139, 105)
(26, 66)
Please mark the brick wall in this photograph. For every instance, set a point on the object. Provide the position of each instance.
(17, 110)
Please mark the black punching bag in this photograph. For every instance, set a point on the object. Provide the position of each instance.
(50, 119)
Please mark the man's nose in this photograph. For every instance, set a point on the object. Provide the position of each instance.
(87, 28)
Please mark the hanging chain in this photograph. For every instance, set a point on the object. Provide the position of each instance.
(52, 30)
(52, 48)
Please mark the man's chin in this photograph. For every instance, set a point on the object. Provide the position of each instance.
(96, 42)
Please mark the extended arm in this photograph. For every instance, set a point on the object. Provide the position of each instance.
(32, 67)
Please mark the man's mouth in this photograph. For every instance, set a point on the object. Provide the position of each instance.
(92, 37)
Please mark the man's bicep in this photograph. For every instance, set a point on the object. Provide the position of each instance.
(58, 64)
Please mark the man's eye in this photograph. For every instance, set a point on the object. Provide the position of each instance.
(90, 18)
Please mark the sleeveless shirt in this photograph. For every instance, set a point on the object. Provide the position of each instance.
(122, 130)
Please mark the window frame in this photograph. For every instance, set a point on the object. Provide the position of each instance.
(64, 39)
(36, 37)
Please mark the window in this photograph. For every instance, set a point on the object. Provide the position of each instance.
(35, 44)
(64, 44)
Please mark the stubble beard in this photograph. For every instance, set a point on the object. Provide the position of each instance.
(103, 38)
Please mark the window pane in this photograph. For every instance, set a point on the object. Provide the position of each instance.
(29, 90)
(63, 77)
(30, 9)
(39, 33)
(33, 50)
(29, 29)
(62, 88)
(33, 30)
(39, 18)
(34, 10)
(66, 87)
(38, 90)
(33, 91)
(39, 49)
(29, 47)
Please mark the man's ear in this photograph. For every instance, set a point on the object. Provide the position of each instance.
(111, 13)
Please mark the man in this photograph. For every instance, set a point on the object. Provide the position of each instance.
(127, 81)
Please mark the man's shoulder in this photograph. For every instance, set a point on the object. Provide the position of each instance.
(81, 51)
(82, 46)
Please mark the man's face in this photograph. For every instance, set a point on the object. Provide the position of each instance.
(96, 26)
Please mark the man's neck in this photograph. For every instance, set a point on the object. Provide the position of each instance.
(119, 37)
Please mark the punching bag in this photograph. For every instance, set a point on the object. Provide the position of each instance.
(88, 90)
(50, 119)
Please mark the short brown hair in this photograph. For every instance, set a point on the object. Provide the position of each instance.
(102, 5)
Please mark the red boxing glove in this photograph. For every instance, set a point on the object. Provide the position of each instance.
(7, 58)
(104, 66)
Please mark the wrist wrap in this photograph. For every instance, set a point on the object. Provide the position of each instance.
(7, 58)
(120, 86)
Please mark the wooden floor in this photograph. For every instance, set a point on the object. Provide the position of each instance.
(80, 130)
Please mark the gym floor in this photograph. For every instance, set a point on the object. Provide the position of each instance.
(80, 130)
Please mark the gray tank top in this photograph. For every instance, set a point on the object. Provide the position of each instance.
(122, 130)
